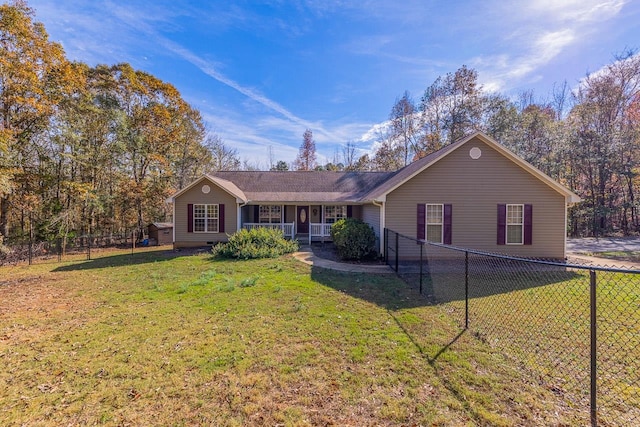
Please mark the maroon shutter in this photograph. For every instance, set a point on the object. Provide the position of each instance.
(190, 218)
(446, 234)
(528, 224)
(502, 224)
(221, 218)
(349, 211)
(421, 224)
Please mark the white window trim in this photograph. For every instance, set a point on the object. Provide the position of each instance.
(427, 223)
(206, 217)
(343, 211)
(271, 209)
(507, 224)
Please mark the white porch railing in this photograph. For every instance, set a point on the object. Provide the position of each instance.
(320, 230)
(287, 228)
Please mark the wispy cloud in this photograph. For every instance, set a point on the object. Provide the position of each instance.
(124, 24)
(543, 50)
(545, 29)
(210, 69)
(373, 133)
(578, 11)
(251, 140)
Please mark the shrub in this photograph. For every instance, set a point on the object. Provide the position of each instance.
(255, 243)
(354, 239)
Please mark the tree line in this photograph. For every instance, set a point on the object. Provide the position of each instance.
(89, 149)
(586, 138)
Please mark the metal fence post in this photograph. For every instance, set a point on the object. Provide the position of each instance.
(466, 289)
(30, 240)
(386, 246)
(397, 236)
(421, 246)
(594, 342)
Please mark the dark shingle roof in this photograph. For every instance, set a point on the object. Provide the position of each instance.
(303, 186)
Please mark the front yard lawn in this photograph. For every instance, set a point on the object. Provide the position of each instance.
(161, 339)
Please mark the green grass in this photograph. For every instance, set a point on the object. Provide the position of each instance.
(629, 256)
(159, 339)
(540, 317)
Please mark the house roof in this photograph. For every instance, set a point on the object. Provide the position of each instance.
(347, 187)
(162, 225)
(304, 186)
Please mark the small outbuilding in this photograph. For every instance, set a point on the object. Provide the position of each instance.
(161, 233)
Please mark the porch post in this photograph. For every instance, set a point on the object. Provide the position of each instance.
(239, 219)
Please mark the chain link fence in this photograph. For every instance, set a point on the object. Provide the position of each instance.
(575, 328)
(22, 251)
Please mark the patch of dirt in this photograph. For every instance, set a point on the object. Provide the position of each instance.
(33, 294)
(329, 251)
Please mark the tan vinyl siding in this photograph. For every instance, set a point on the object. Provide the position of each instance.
(371, 215)
(314, 213)
(474, 188)
(356, 211)
(196, 196)
(290, 214)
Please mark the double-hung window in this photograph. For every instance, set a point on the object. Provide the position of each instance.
(334, 213)
(205, 218)
(434, 222)
(515, 224)
(270, 214)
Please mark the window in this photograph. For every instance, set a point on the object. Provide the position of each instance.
(334, 213)
(270, 214)
(205, 218)
(515, 224)
(434, 223)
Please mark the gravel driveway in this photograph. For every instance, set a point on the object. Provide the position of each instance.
(602, 244)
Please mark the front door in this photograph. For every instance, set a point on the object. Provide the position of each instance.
(302, 219)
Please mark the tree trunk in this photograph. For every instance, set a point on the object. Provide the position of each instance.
(4, 220)
(140, 223)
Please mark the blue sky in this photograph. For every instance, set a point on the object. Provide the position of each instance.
(261, 72)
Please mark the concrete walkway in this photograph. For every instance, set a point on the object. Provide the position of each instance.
(585, 251)
(603, 244)
(306, 255)
(601, 262)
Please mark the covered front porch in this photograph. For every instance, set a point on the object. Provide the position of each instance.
(305, 222)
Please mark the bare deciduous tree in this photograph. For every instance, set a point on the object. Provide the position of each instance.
(223, 157)
(306, 160)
